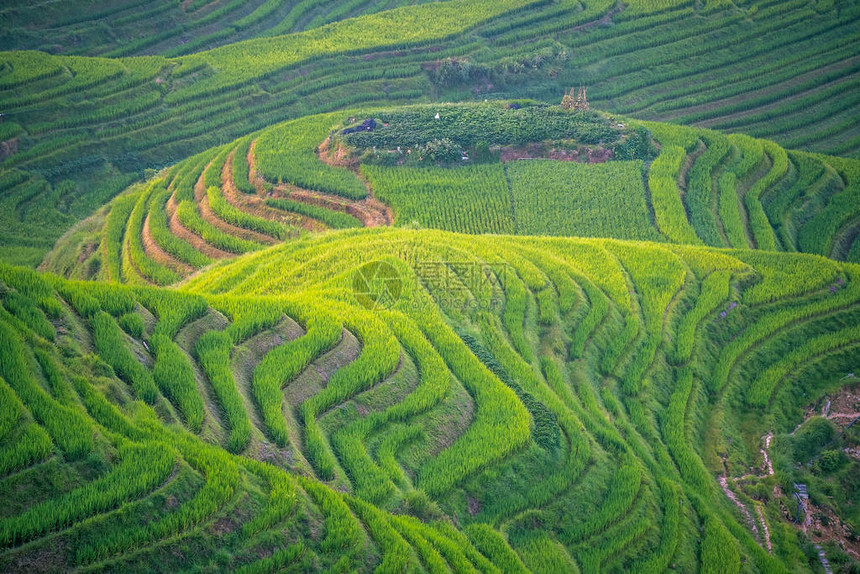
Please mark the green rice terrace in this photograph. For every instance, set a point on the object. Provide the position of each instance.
(342, 388)
(340, 286)
(510, 404)
(79, 126)
(504, 167)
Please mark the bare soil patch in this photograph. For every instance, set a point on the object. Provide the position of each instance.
(253, 204)
(177, 229)
(370, 211)
(253, 176)
(209, 216)
(157, 254)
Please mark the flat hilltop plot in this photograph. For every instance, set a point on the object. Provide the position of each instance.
(493, 123)
(470, 199)
(305, 175)
(580, 200)
(524, 197)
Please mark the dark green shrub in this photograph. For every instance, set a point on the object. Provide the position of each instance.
(812, 436)
(439, 151)
(831, 460)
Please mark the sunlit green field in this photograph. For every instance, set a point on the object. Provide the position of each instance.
(318, 286)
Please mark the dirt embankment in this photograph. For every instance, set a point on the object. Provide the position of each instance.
(210, 217)
(180, 231)
(253, 204)
(370, 211)
(155, 252)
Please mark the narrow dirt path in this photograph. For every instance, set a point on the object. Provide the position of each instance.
(370, 211)
(253, 176)
(724, 484)
(380, 214)
(180, 231)
(764, 452)
(764, 528)
(602, 21)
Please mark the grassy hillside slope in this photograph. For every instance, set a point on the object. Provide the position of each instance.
(79, 129)
(401, 400)
(136, 28)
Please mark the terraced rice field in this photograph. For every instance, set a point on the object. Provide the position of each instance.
(263, 398)
(283, 183)
(339, 286)
(81, 128)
